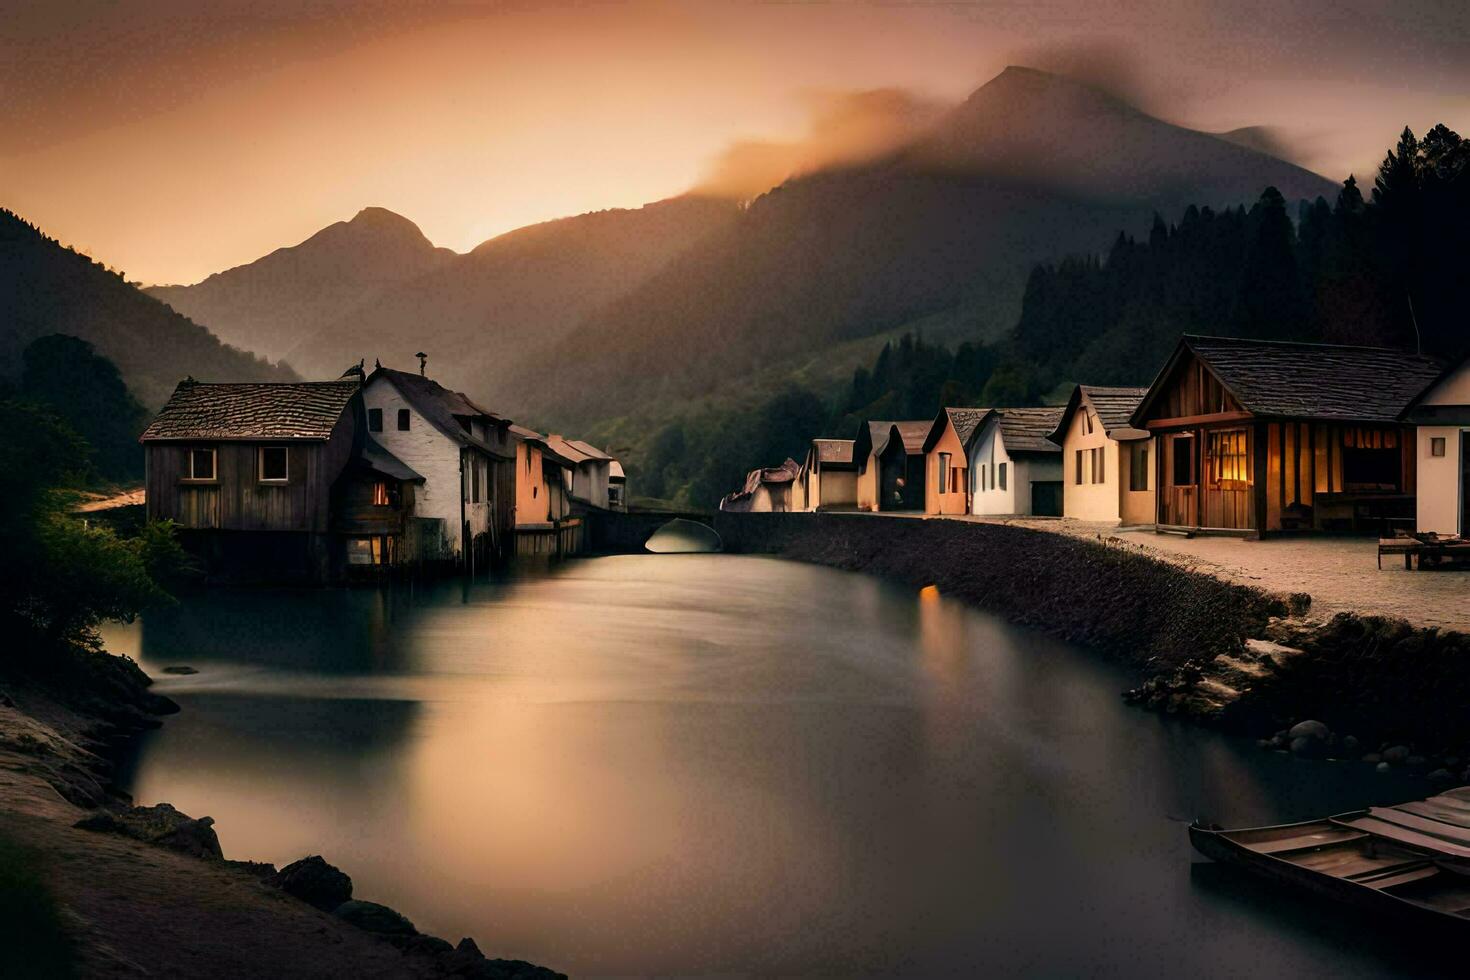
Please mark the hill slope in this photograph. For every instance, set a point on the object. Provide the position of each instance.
(267, 304)
(46, 288)
(482, 316)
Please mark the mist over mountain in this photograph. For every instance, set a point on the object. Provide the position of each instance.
(1031, 167)
(265, 305)
(46, 288)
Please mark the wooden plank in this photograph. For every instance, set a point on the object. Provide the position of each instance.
(1193, 421)
(1319, 838)
(1422, 824)
(1382, 828)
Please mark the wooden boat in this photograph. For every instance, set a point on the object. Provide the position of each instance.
(1411, 862)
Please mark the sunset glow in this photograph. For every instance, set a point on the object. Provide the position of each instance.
(231, 131)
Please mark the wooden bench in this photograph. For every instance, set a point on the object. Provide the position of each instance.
(1400, 544)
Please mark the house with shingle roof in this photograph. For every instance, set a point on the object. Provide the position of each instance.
(946, 467)
(464, 510)
(890, 459)
(259, 479)
(1106, 463)
(1015, 468)
(828, 477)
(1263, 436)
(591, 469)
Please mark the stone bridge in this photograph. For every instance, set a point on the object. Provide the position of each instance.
(626, 532)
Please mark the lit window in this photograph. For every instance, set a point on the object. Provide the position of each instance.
(380, 494)
(1436, 446)
(273, 464)
(200, 464)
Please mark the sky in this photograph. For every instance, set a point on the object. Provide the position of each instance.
(171, 138)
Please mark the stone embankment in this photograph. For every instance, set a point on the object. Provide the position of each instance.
(1206, 648)
(117, 889)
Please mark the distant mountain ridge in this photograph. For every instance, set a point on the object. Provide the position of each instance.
(266, 305)
(46, 288)
(635, 311)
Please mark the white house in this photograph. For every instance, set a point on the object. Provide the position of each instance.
(464, 510)
(1106, 462)
(1442, 451)
(1015, 468)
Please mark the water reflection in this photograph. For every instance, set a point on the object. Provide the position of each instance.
(715, 764)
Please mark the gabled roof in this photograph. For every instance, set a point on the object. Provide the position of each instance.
(1287, 379)
(615, 471)
(301, 410)
(1114, 408)
(381, 461)
(1422, 414)
(1028, 430)
(576, 451)
(871, 437)
(913, 434)
(537, 439)
(440, 406)
(964, 420)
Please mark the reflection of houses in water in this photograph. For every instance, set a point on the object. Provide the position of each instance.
(1264, 436)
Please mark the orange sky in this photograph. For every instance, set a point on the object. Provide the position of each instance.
(171, 141)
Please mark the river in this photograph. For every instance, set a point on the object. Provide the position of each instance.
(728, 765)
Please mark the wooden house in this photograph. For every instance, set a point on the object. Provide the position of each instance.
(372, 512)
(767, 490)
(1441, 416)
(252, 474)
(828, 478)
(946, 480)
(890, 459)
(1258, 436)
(617, 487)
(1107, 465)
(464, 510)
(1015, 468)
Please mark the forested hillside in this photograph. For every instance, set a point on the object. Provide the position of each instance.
(1385, 270)
(46, 288)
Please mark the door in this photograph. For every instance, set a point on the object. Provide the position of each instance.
(1046, 498)
(1464, 484)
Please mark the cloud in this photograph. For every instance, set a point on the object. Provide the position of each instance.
(844, 128)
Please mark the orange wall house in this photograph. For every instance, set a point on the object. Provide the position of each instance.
(946, 476)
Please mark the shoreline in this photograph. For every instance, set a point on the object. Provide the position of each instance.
(121, 890)
(1238, 657)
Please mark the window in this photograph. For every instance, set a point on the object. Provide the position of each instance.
(944, 472)
(1102, 464)
(1370, 459)
(1183, 450)
(1087, 421)
(1079, 467)
(375, 420)
(1002, 475)
(403, 420)
(1436, 446)
(380, 494)
(1138, 468)
(1229, 461)
(199, 464)
(271, 461)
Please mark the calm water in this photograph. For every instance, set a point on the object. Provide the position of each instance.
(713, 764)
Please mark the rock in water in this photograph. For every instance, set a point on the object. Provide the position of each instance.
(1309, 729)
(1306, 747)
(1441, 777)
(377, 919)
(1397, 754)
(315, 882)
(180, 669)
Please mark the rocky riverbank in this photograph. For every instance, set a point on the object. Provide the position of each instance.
(1205, 648)
(94, 886)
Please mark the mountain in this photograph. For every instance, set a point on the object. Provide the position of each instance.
(266, 304)
(1031, 167)
(46, 288)
(483, 315)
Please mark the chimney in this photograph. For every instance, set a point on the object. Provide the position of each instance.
(423, 360)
